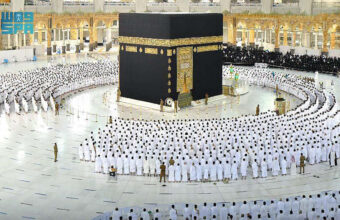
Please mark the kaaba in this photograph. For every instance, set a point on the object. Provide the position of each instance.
(165, 56)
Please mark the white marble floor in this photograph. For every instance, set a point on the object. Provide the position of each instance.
(34, 187)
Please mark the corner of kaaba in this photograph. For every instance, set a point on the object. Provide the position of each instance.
(173, 56)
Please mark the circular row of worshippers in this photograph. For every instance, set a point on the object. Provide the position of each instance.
(311, 129)
(323, 206)
(31, 90)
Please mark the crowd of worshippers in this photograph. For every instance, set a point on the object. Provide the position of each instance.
(224, 148)
(323, 206)
(250, 56)
(31, 90)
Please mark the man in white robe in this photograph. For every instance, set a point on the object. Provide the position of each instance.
(119, 165)
(276, 167)
(254, 167)
(171, 177)
(98, 165)
(204, 212)
(284, 166)
(126, 162)
(178, 171)
(145, 215)
(199, 172)
(263, 169)
(227, 170)
(234, 172)
(223, 214)
(213, 172)
(184, 172)
(187, 212)
(192, 171)
(244, 165)
(105, 164)
(146, 167)
(139, 166)
(81, 152)
(173, 213)
(116, 214)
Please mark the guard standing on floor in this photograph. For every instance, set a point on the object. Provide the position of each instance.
(55, 152)
(118, 94)
(206, 98)
(302, 163)
(161, 105)
(162, 175)
(257, 110)
(176, 105)
(56, 108)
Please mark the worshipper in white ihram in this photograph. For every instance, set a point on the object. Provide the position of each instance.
(293, 166)
(255, 167)
(81, 152)
(263, 168)
(192, 172)
(139, 165)
(171, 177)
(98, 164)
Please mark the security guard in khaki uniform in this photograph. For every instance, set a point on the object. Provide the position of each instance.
(257, 110)
(56, 108)
(176, 105)
(55, 152)
(302, 163)
(162, 173)
(206, 98)
(161, 105)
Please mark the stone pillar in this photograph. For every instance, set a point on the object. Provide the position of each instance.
(81, 36)
(108, 39)
(277, 39)
(39, 36)
(49, 44)
(270, 36)
(77, 48)
(324, 43)
(316, 40)
(294, 39)
(267, 6)
(183, 5)
(244, 35)
(63, 48)
(95, 37)
(306, 7)
(141, 5)
(74, 35)
(307, 38)
(91, 45)
(225, 6)
(31, 39)
(24, 38)
(285, 38)
(19, 39)
(252, 37)
(9, 41)
(333, 40)
(1, 48)
(232, 32)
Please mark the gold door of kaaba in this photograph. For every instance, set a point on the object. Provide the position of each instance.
(184, 69)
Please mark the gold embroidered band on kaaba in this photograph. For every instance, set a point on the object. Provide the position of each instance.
(170, 42)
